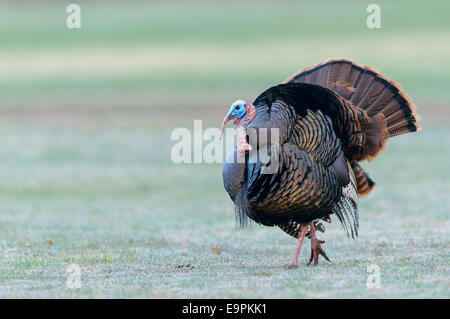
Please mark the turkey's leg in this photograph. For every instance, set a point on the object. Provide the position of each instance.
(316, 250)
(303, 229)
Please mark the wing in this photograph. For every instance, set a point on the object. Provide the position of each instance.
(314, 134)
(346, 209)
(311, 170)
(301, 189)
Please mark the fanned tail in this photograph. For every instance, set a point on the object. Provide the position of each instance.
(366, 89)
(385, 109)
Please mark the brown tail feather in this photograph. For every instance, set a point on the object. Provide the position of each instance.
(376, 135)
(367, 89)
(363, 182)
(386, 111)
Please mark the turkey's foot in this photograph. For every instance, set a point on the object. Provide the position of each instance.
(316, 249)
(303, 229)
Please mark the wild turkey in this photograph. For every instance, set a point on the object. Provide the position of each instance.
(329, 117)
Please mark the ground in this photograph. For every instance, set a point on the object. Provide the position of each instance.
(87, 179)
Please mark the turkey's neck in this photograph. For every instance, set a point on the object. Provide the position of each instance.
(241, 133)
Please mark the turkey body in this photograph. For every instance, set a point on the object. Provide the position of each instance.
(328, 118)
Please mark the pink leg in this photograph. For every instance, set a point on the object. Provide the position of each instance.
(303, 229)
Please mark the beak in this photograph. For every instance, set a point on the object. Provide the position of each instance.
(227, 118)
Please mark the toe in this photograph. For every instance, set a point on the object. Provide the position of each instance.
(324, 255)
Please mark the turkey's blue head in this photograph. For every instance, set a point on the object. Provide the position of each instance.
(241, 112)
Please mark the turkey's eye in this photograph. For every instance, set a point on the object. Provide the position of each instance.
(238, 107)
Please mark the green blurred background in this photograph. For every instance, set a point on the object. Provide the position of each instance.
(86, 116)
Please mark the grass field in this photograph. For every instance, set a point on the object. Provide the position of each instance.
(86, 117)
